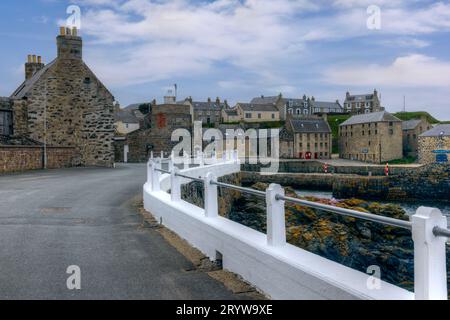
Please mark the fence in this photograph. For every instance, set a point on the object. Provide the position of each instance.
(428, 225)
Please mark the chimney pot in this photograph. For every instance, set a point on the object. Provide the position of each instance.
(39, 59)
(74, 31)
(34, 58)
(30, 59)
(62, 31)
(68, 32)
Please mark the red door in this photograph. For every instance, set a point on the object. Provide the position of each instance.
(308, 155)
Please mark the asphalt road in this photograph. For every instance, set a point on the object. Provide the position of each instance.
(50, 220)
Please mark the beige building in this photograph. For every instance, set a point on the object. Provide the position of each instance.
(412, 129)
(257, 112)
(373, 137)
(307, 138)
(125, 122)
(230, 115)
(434, 145)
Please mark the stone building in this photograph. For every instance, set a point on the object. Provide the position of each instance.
(306, 138)
(362, 103)
(305, 106)
(6, 117)
(373, 137)
(412, 129)
(64, 104)
(208, 112)
(230, 115)
(434, 145)
(164, 119)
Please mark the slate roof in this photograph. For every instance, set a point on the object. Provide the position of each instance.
(310, 126)
(326, 105)
(258, 107)
(207, 106)
(265, 100)
(410, 124)
(436, 131)
(27, 85)
(381, 116)
(360, 97)
(125, 117)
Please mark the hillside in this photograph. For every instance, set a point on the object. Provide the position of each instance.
(416, 115)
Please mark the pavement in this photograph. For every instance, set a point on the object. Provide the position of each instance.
(87, 217)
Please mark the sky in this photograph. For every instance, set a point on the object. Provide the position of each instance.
(240, 49)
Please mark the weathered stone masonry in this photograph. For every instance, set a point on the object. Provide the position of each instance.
(66, 105)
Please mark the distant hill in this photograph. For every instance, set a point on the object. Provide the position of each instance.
(416, 115)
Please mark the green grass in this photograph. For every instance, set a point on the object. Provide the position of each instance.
(407, 160)
(405, 116)
(334, 121)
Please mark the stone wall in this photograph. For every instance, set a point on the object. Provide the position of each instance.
(426, 183)
(299, 166)
(23, 158)
(428, 144)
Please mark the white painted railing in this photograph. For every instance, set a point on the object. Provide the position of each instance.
(281, 270)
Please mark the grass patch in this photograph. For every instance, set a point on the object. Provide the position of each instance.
(405, 116)
(406, 160)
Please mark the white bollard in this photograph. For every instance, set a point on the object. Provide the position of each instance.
(175, 185)
(430, 270)
(276, 223)
(211, 197)
(156, 186)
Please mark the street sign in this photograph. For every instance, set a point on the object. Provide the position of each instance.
(441, 158)
(441, 151)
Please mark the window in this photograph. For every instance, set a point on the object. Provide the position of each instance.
(298, 111)
(259, 115)
(273, 115)
(391, 131)
(248, 115)
(391, 124)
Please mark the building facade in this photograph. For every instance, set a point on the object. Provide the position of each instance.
(362, 103)
(434, 145)
(64, 104)
(125, 122)
(305, 106)
(208, 112)
(412, 129)
(373, 137)
(308, 138)
(6, 117)
(249, 112)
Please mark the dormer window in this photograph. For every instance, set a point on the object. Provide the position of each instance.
(87, 80)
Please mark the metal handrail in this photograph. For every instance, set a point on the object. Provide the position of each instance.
(437, 231)
(350, 213)
(242, 189)
(441, 232)
(189, 178)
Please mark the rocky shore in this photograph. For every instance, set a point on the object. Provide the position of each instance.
(352, 242)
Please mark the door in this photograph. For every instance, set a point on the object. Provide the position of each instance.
(126, 150)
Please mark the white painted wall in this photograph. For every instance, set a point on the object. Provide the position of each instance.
(285, 272)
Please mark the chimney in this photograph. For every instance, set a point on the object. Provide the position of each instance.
(209, 100)
(170, 98)
(33, 65)
(218, 102)
(69, 44)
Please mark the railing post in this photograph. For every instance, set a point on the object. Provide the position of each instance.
(430, 271)
(276, 223)
(156, 186)
(150, 165)
(201, 159)
(175, 185)
(211, 197)
(187, 160)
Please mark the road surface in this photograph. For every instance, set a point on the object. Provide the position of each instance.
(50, 220)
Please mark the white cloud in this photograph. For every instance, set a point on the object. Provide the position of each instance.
(409, 71)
